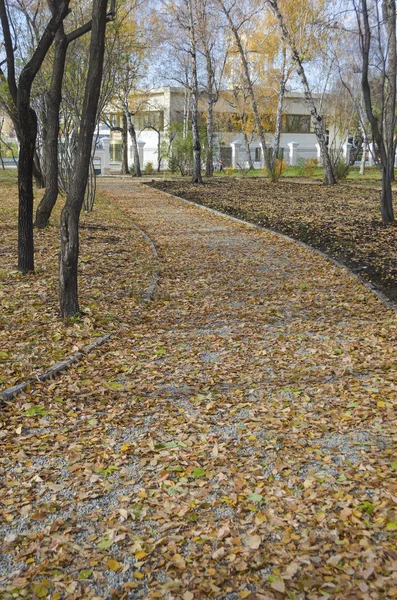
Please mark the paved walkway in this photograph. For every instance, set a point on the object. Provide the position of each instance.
(237, 442)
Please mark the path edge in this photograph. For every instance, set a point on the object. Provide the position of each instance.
(373, 289)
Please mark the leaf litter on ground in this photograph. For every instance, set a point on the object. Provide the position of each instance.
(246, 459)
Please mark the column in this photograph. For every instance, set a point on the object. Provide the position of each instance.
(141, 146)
(346, 152)
(236, 145)
(105, 163)
(293, 154)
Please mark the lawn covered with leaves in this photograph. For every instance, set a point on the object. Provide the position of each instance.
(116, 265)
(343, 221)
(236, 440)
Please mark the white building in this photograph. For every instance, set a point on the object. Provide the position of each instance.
(168, 105)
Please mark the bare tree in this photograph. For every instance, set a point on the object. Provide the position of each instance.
(68, 262)
(25, 122)
(377, 38)
(235, 27)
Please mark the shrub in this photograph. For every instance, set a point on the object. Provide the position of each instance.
(149, 168)
(341, 169)
(229, 171)
(307, 166)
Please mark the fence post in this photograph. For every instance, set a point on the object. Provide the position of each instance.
(293, 153)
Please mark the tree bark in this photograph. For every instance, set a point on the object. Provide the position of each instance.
(131, 129)
(383, 134)
(25, 191)
(124, 147)
(196, 177)
(280, 106)
(209, 165)
(54, 99)
(248, 151)
(68, 263)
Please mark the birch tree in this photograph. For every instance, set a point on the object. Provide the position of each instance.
(317, 116)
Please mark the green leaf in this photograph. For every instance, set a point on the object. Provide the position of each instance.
(40, 590)
(93, 422)
(104, 544)
(35, 410)
(367, 507)
(198, 473)
(85, 574)
(391, 526)
(255, 497)
(394, 465)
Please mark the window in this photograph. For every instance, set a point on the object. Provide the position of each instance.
(115, 151)
(258, 154)
(148, 119)
(296, 124)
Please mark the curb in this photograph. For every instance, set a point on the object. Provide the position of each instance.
(374, 290)
(59, 367)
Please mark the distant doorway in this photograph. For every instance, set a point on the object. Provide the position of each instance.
(226, 156)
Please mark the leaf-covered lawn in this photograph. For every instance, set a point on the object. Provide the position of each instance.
(116, 264)
(237, 439)
(344, 221)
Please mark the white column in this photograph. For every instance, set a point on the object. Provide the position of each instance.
(318, 149)
(346, 152)
(236, 145)
(141, 146)
(293, 153)
(371, 154)
(105, 163)
(263, 150)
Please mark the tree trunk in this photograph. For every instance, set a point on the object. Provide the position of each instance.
(53, 101)
(37, 172)
(124, 148)
(248, 151)
(268, 160)
(280, 106)
(196, 177)
(209, 166)
(25, 188)
(387, 196)
(329, 177)
(68, 263)
(137, 163)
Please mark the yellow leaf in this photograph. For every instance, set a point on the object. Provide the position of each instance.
(139, 555)
(381, 404)
(40, 590)
(125, 447)
(138, 575)
(114, 565)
